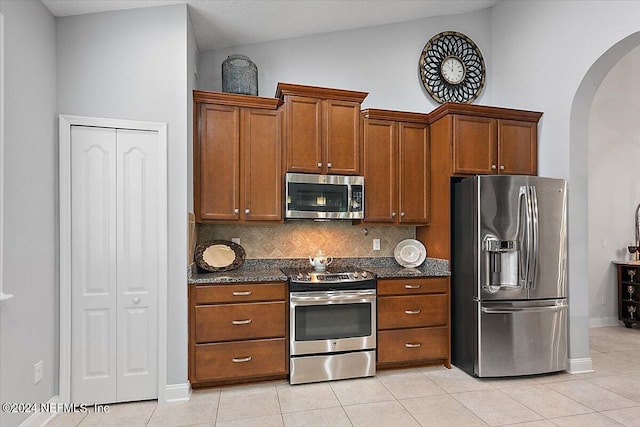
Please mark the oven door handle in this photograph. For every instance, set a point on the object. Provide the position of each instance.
(332, 299)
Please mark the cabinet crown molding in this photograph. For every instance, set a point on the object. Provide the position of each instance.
(236, 100)
(399, 116)
(319, 92)
(484, 111)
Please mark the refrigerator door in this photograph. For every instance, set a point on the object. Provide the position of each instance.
(501, 237)
(549, 249)
(521, 337)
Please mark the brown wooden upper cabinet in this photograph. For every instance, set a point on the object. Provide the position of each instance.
(491, 140)
(237, 158)
(396, 167)
(322, 129)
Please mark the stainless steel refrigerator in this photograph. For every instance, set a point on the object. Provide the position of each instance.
(509, 305)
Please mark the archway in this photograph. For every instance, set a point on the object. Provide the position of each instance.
(578, 200)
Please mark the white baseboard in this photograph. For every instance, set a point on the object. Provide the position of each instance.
(38, 419)
(177, 392)
(580, 366)
(603, 321)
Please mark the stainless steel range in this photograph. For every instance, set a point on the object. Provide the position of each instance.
(332, 325)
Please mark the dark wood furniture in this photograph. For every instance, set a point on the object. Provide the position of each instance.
(237, 158)
(413, 322)
(473, 139)
(628, 279)
(322, 128)
(396, 167)
(237, 333)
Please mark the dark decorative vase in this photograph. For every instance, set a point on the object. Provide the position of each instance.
(239, 75)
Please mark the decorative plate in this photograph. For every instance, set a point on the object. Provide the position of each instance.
(219, 255)
(452, 68)
(410, 253)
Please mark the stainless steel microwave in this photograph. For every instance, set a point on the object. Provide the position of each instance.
(324, 196)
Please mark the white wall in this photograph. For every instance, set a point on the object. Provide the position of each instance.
(614, 183)
(133, 65)
(381, 60)
(544, 54)
(28, 321)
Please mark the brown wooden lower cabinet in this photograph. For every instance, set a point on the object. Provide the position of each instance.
(413, 322)
(237, 333)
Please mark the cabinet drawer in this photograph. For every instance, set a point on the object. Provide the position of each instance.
(213, 294)
(406, 345)
(240, 359)
(413, 311)
(414, 285)
(229, 322)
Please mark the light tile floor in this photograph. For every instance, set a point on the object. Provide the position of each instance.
(433, 396)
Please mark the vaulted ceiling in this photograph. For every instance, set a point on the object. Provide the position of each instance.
(220, 24)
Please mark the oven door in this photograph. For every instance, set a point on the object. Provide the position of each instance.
(332, 321)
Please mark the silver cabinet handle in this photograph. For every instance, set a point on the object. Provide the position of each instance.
(493, 167)
(412, 286)
(136, 300)
(241, 293)
(247, 211)
(412, 311)
(401, 213)
(319, 164)
(241, 359)
(501, 167)
(241, 322)
(413, 345)
(329, 164)
(236, 211)
(393, 214)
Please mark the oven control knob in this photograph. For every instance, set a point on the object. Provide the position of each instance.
(308, 276)
(355, 274)
(299, 276)
(364, 274)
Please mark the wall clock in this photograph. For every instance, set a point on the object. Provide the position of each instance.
(452, 68)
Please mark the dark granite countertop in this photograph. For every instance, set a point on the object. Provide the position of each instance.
(269, 270)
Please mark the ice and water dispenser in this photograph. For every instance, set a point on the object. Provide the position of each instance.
(501, 263)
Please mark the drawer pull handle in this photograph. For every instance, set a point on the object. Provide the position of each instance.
(412, 286)
(241, 293)
(413, 345)
(241, 359)
(412, 311)
(241, 322)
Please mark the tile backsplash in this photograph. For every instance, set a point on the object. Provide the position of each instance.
(299, 239)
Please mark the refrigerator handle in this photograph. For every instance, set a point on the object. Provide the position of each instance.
(524, 231)
(535, 236)
(520, 310)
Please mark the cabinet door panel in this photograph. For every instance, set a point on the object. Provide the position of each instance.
(304, 134)
(413, 311)
(218, 189)
(407, 345)
(213, 294)
(409, 286)
(229, 322)
(242, 359)
(415, 157)
(343, 137)
(380, 159)
(474, 145)
(517, 148)
(262, 180)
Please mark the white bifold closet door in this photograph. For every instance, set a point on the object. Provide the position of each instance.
(114, 264)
